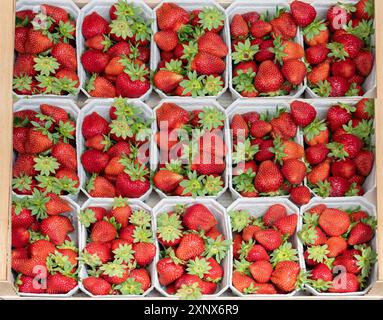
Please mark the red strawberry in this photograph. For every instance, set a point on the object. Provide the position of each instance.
(198, 217)
(317, 54)
(22, 218)
(338, 115)
(191, 246)
(94, 25)
(345, 282)
(268, 78)
(274, 213)
(319, 173)
(338, 186)
(243, 283)
(170, 16)
(166, 40)
(93, 125)
(285, 275)
(56, 228)
(144, 253)
(65, 155)
(351, 144)
(284, 26)
(269, 239)
(114, 272)
(132, 186)
(257, 253)
(94, 161)
(343, 168)
(343, 68)
(336, 246)
(268, 178)
(97, 286)
(261, 271)
(212, 43)
(28, 285)
(166, 180)
(24, 165)
(207, 64)
(172, 116)
(294, 171)
(101, 249)
(364, 62)
(94, 61)
(37, 141)
(21, 34)
(37, 42)
(351, 44)
(360, 233)
(364, 162)
(20, 237)
(294, 71)
(265, 52)
(334, 222)
(316, 154)
(287, 225)
(24, 65)
(260, 28)
(284, 126)
(103, 231)
(239, 127)
(65, 55)
(303, 13)
(168, 271)
(141, 276)
(321, 272)
(100, 87)
(56, 13)
(364, 109)
(60, 284)
(303, 113)
(319, 73)
(249, 231)
(239, 29)
(300, 195)
(131, 86)
(100, 187)
(364, 10)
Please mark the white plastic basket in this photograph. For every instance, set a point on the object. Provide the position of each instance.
(344, 203)
(102, 8)
(102, 106)
(242, 106)
(322, 106)
(219, 212)
(190, 105)
(241, 7)
(369, 84)
(73, 215)
(68, 105)
(74, 11)
(190, 5)
(257, 207)
(108, 204)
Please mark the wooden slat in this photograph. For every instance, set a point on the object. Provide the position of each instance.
(6, 62)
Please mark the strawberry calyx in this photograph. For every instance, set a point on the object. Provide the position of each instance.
(240, 219)
(136, 171)
(314, 129)
(22, 183)
(245, 248)
(320, 285)
(353, 190)
(87, 217)
(174, 65)
(120, 202)
(242, 266)
(169, 253)
(278, 149)
(66, 31)
(68, 244)
(22, 83)
(45, 165)
(169, 227)
(199, 267)
(113, 269)
(66, 84)
(244, 81)
(113, 222)
(189, 292)
(244, 151)
(363, 30)
(174, 165)
(337, 51)
(125, 10)
(142, 30)
(244, 51)
(337, 150)
(213, 185)
(124, 254)
(35, 236)
(278, 49)
(364, 130)
(189, 51)
(193, 184)
(211, 118)
(46, 65)
(193, 84)
(322, 89)
(216, 248)
(285, 252)
(318, 253)
(141, 234)
(310, 219)
(244, 182)
(121, 128)
(308, 234)
(365, 260)
(137, 72)
(42, 22)
(66, 129)
(122, 28)
(323, 189)
(140, 218)
(352, 91)
(91, 260)
(58, 263)
(314, 29)
(37, 204)
(211, 18)
(129, 287)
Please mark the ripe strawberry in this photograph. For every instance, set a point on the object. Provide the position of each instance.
(360, 233)
(101, 249)
(24, 65)
(338, 16)
(321, 272)
(239, 29)
(345, 282)
(274, 213)
(343, 68)
(351, 44)
(56, 13)
(191, 246)
(239, 127)
(21, 34)
(168, 271)
(287, 225)
(364, 62)
(284, 26)
(20, 237)
(172, 116)
(56, 228)
(121, 211)
(94, 61)
(207, 64)
(319, 173)
(364, 109)
(303, 113)
(260, 28)
(100, 187)
(261, 271)
(37, 141)
(167, 81)
(319, 73)
(336, 246)
(56, 205)
(270, 239)
(249, 231)
(212, 43)
(364, 10)
(141, 276)
(170, 16)
(343, 168)
(334, 222)
(24, 165)
(268, 78)
(131, 86)
(294, 71)
(285, 275)
(37, 42)
(198, 217)
(65, 55)
(303, 13)
(28, 285)
(352, 144)
(93, 124)
(338, 115)
(132, 185)
(364, 162)
(103, 231)
(264, 152)
(250, 17)
(268, 178)
(58, 114)
(144, 253)
(243, 283)
(97, 286)
(94, 161)
(316, 154)
(284, 126)
(166, 180)
(22, 218)
(265, 51)
(256, 253)
(94, 25)
(294, 171)
(65, 155)
(300, 195)
(166, 40)
(100, 87)
(317, 54)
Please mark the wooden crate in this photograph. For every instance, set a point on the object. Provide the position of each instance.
(7, 18)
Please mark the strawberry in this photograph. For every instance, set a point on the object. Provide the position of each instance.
(319, 173)
(37, 42)
(364, 109)
(284, 126)
(343, 168)
(100, 87)
(364, 10)
(166, 180)
(319, 73)
(261, 271)
(268, 78)
(19, 137)
(317, 54)
(22, 218)
(103, 231)
(256, 253)
(364, 62)
(94, 161)
(294, 171)
(260, 28)
(335, 86)
(167, 81)
(28, 285)
(285, 275)
(260, 128)
(24, 65)
(303, 113)
(166, 40)
(243, 283)
(93, 124)
(114, 272)
(269, 177)
(172, 116)
(38, 140)
(100, 249)
(345, 282)
(274, 213)
(191, 246)
(300, 195)
(56, 205)
(239, 29)
(170, 16)
(56, 228)
(207, 64)
(321, 272)
(56, 13)
(251, 17)
(58, 114)
(198, 217)
(168, 271)
(144, 253)
(97, 286)
(287, 225)
(20, 237)
(94, 25)
(265, 51)
(65, 155)
(134, 184)
(121, 211)
(141, 276)
(249, 231)
(303, 13)
(94, 61)
(264, 152)
(65, 55)
(294, 71)
(350, 144)
(100, 187)
(338, 16)
(334, 222)
(339, 115)
(350, 45)
(212, 43)
(336, 246)
(284, 26)
(358, 216)
(364, 162)
(269, 239)
(343, 68)
(360, 233)
(239, 127)
(21, 34)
